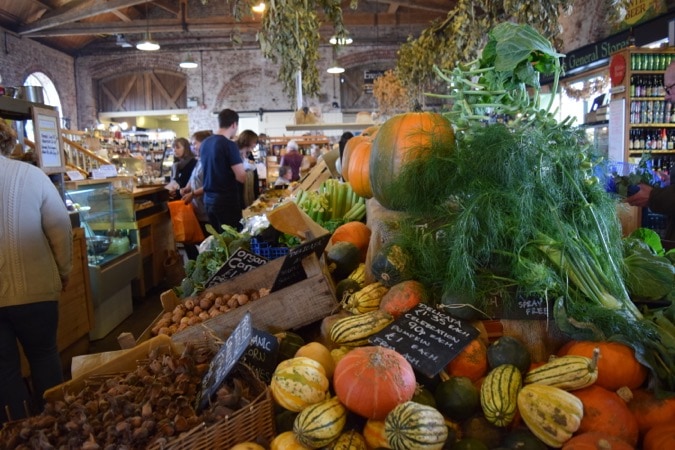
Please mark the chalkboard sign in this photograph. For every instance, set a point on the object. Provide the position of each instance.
(47, 132)
(225, 359)
(241, 261)
(261, 355)
(428, 338)
(291, 269)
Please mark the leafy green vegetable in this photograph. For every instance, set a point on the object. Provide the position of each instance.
(648, 276)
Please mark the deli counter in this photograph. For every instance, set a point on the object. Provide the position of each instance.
(128, 233)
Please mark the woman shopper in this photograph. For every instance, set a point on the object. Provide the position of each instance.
(36, 257)
(182, 168)
(292, 158)
(246, 142)
(193, 192)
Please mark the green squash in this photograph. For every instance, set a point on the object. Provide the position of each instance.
(289, 343)
(343, 258)
(523, 439)
(508, 350)
(390, 265)
(457, 398)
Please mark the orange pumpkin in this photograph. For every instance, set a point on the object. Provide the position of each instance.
(661, 437)
(347, 153)
(358, 169)
(373, 432)
(650, 411)
(355, 232)
(607, 413)
(402, 297)
(617, 366)
(371, 381)
(404, 138)
(471, 362)
(370, 131)
(596, 441)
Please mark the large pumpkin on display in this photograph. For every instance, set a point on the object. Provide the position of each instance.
(358, 169)
(349, 149)
(371, 381)
(403, 138)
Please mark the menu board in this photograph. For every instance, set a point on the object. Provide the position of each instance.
(48, 140)
(427, 338)
(291, 270)
(241, 261)
(225, 359)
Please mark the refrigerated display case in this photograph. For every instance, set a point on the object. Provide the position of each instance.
(107, 216)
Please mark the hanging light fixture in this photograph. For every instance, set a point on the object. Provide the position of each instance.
(335, 68)
(189, 63)
(346, 40)
(259, 8)
(147, 44)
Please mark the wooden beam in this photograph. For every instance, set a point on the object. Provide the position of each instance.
(77, 10)
(412, 5)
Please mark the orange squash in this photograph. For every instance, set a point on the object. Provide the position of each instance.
(402, 297)
(358, 169)
(404, 138)
(471, 362)
(371, 381)
(596, 441)
(650, 411)
(355, 232)
(347, 153)
(373, 432)
(617, 366)
(607, 413)
(661, 437)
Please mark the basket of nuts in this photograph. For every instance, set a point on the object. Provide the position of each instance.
(146, 399)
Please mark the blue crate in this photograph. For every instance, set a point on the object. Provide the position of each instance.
(265, 250)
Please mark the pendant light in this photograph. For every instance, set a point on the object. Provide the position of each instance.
(189, 63)
(147, 45)
(335, 68)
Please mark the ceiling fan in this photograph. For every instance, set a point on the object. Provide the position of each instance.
(122, 41)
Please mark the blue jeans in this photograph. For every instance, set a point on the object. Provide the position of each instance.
(34, 326)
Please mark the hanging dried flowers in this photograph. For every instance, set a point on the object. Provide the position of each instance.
(587, 89)
(390, 94)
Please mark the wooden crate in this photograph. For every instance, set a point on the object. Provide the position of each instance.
(317, 175)
(295, 306)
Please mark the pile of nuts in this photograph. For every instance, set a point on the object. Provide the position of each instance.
(206, 306)
(130, 411)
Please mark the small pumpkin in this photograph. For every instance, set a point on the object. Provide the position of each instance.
(471, 362)
(457, 398)
(321, 423)
(661, 437)
(617, 365)
(358, 169)
(349, 149)
(389, 266)
(349, 440)
(596, 441)
(373, 433)
(403, 138)
(607, 413)
(371, 381)
(319, 353)
(524, 439)
(289, 343)
(649, 410)
(343, 258)
(415, 426)
(402, 297)
(508, 350)
(287, 441)
(355, 232)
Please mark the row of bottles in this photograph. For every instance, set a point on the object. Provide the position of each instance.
(651, 61)
(647, 86)
(651, 111)
(651, 139)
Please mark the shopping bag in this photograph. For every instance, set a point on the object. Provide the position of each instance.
(186, 227)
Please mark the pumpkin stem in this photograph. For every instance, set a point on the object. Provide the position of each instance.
(417, 107)
(594, 359)
(625, 393)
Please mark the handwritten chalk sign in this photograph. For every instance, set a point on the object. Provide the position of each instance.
(261, 355)
(527, 308)
(241, 261)
(225, 359)
(291, 270)
(428, 338)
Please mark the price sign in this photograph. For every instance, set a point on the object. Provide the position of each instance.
(225, 359)
(261, 355)
(241, 261)
(530, 307)
(291, 270)
(428, 338)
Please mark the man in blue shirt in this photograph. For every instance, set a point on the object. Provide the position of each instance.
(223, 170)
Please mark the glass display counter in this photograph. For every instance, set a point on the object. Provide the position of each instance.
(107, 216)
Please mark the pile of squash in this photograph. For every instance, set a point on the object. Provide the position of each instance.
(339, 392)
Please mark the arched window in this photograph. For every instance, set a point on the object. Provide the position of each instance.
(51, 96)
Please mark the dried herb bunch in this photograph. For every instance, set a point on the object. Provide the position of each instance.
(135, 410)
(390, 94)
(460, 37)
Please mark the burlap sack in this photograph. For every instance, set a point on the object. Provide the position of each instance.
(384, 225)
